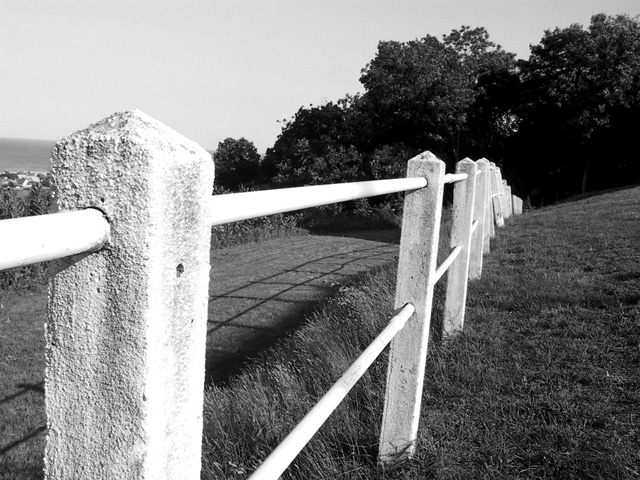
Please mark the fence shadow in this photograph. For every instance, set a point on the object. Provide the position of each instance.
(247, 319)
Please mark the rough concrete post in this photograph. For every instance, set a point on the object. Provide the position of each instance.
(508, 199)
(497, 209)
(126, 326)
(517, 205)
(479, 213)
(496, 182)
(492, 212)
(501, 197)
(483, 164)
(416, 269)
(458, 273)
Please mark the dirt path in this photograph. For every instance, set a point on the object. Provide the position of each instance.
(260, 291)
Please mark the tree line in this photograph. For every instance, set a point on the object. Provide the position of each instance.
(559, 123)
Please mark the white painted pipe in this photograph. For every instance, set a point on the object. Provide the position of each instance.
(447, 263)
(283, 455)
(41, 238)
(455, 177)
(242, 206)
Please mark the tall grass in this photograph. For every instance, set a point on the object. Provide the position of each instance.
(245, 420)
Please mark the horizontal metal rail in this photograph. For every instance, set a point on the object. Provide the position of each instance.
(447, 263)
(41, 238)
(283, 455)
(455, 177)
(234, 207)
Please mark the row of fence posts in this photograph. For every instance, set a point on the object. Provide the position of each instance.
(126, 325)
(481, 201)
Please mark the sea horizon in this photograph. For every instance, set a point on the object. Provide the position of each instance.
(25, 155)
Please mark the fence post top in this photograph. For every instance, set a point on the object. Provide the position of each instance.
(425, 156)
(466, 161)
(484, 161)
(136, 127)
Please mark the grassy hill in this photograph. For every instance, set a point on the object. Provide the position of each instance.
(544, 382)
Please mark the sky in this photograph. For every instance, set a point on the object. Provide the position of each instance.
(213, 69)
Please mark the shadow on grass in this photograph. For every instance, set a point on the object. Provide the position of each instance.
(15, 443)
(253, 316)
(26, 387)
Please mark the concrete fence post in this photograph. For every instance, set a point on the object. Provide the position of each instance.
(479, 213)
(126, 326)
(483, 164)
(517, 205)
(498, 210)
(508, 199)
(415, 282)
(501, 195)
(458, 273)
(492, 211)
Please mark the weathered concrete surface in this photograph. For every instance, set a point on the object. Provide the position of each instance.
(499, 219)
(517, 205)
(481, 234)
(485, 190)
(509, 199)
(458, 274)
(415, 282)
(501, 197)
(126, 327)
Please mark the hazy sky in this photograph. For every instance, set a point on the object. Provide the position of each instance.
(213, 69)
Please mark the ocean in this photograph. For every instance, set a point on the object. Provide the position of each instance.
(25, 155)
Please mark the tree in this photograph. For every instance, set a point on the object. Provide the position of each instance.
(582, 87)
(421, 91)
(322, 135)
(237, 163)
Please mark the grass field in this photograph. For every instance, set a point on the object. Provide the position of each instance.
(544, 382)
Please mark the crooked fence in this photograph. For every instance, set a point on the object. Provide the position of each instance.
(127, 309)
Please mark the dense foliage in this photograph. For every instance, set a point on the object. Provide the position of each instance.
(237, 163)
(581, 102)
(558, 124)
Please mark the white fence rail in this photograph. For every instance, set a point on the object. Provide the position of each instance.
(28, 240)
(243, 206)
(126, 324)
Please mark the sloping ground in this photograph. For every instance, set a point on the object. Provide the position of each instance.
(544, 383)
(258, 291)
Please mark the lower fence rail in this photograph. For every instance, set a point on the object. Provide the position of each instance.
(286, 452)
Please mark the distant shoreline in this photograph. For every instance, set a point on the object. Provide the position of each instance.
(25, 155)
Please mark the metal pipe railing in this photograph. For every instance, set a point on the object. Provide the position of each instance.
(455, 177)
(234, 207)
(283, 455)
(41, 238)
(447, 263)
